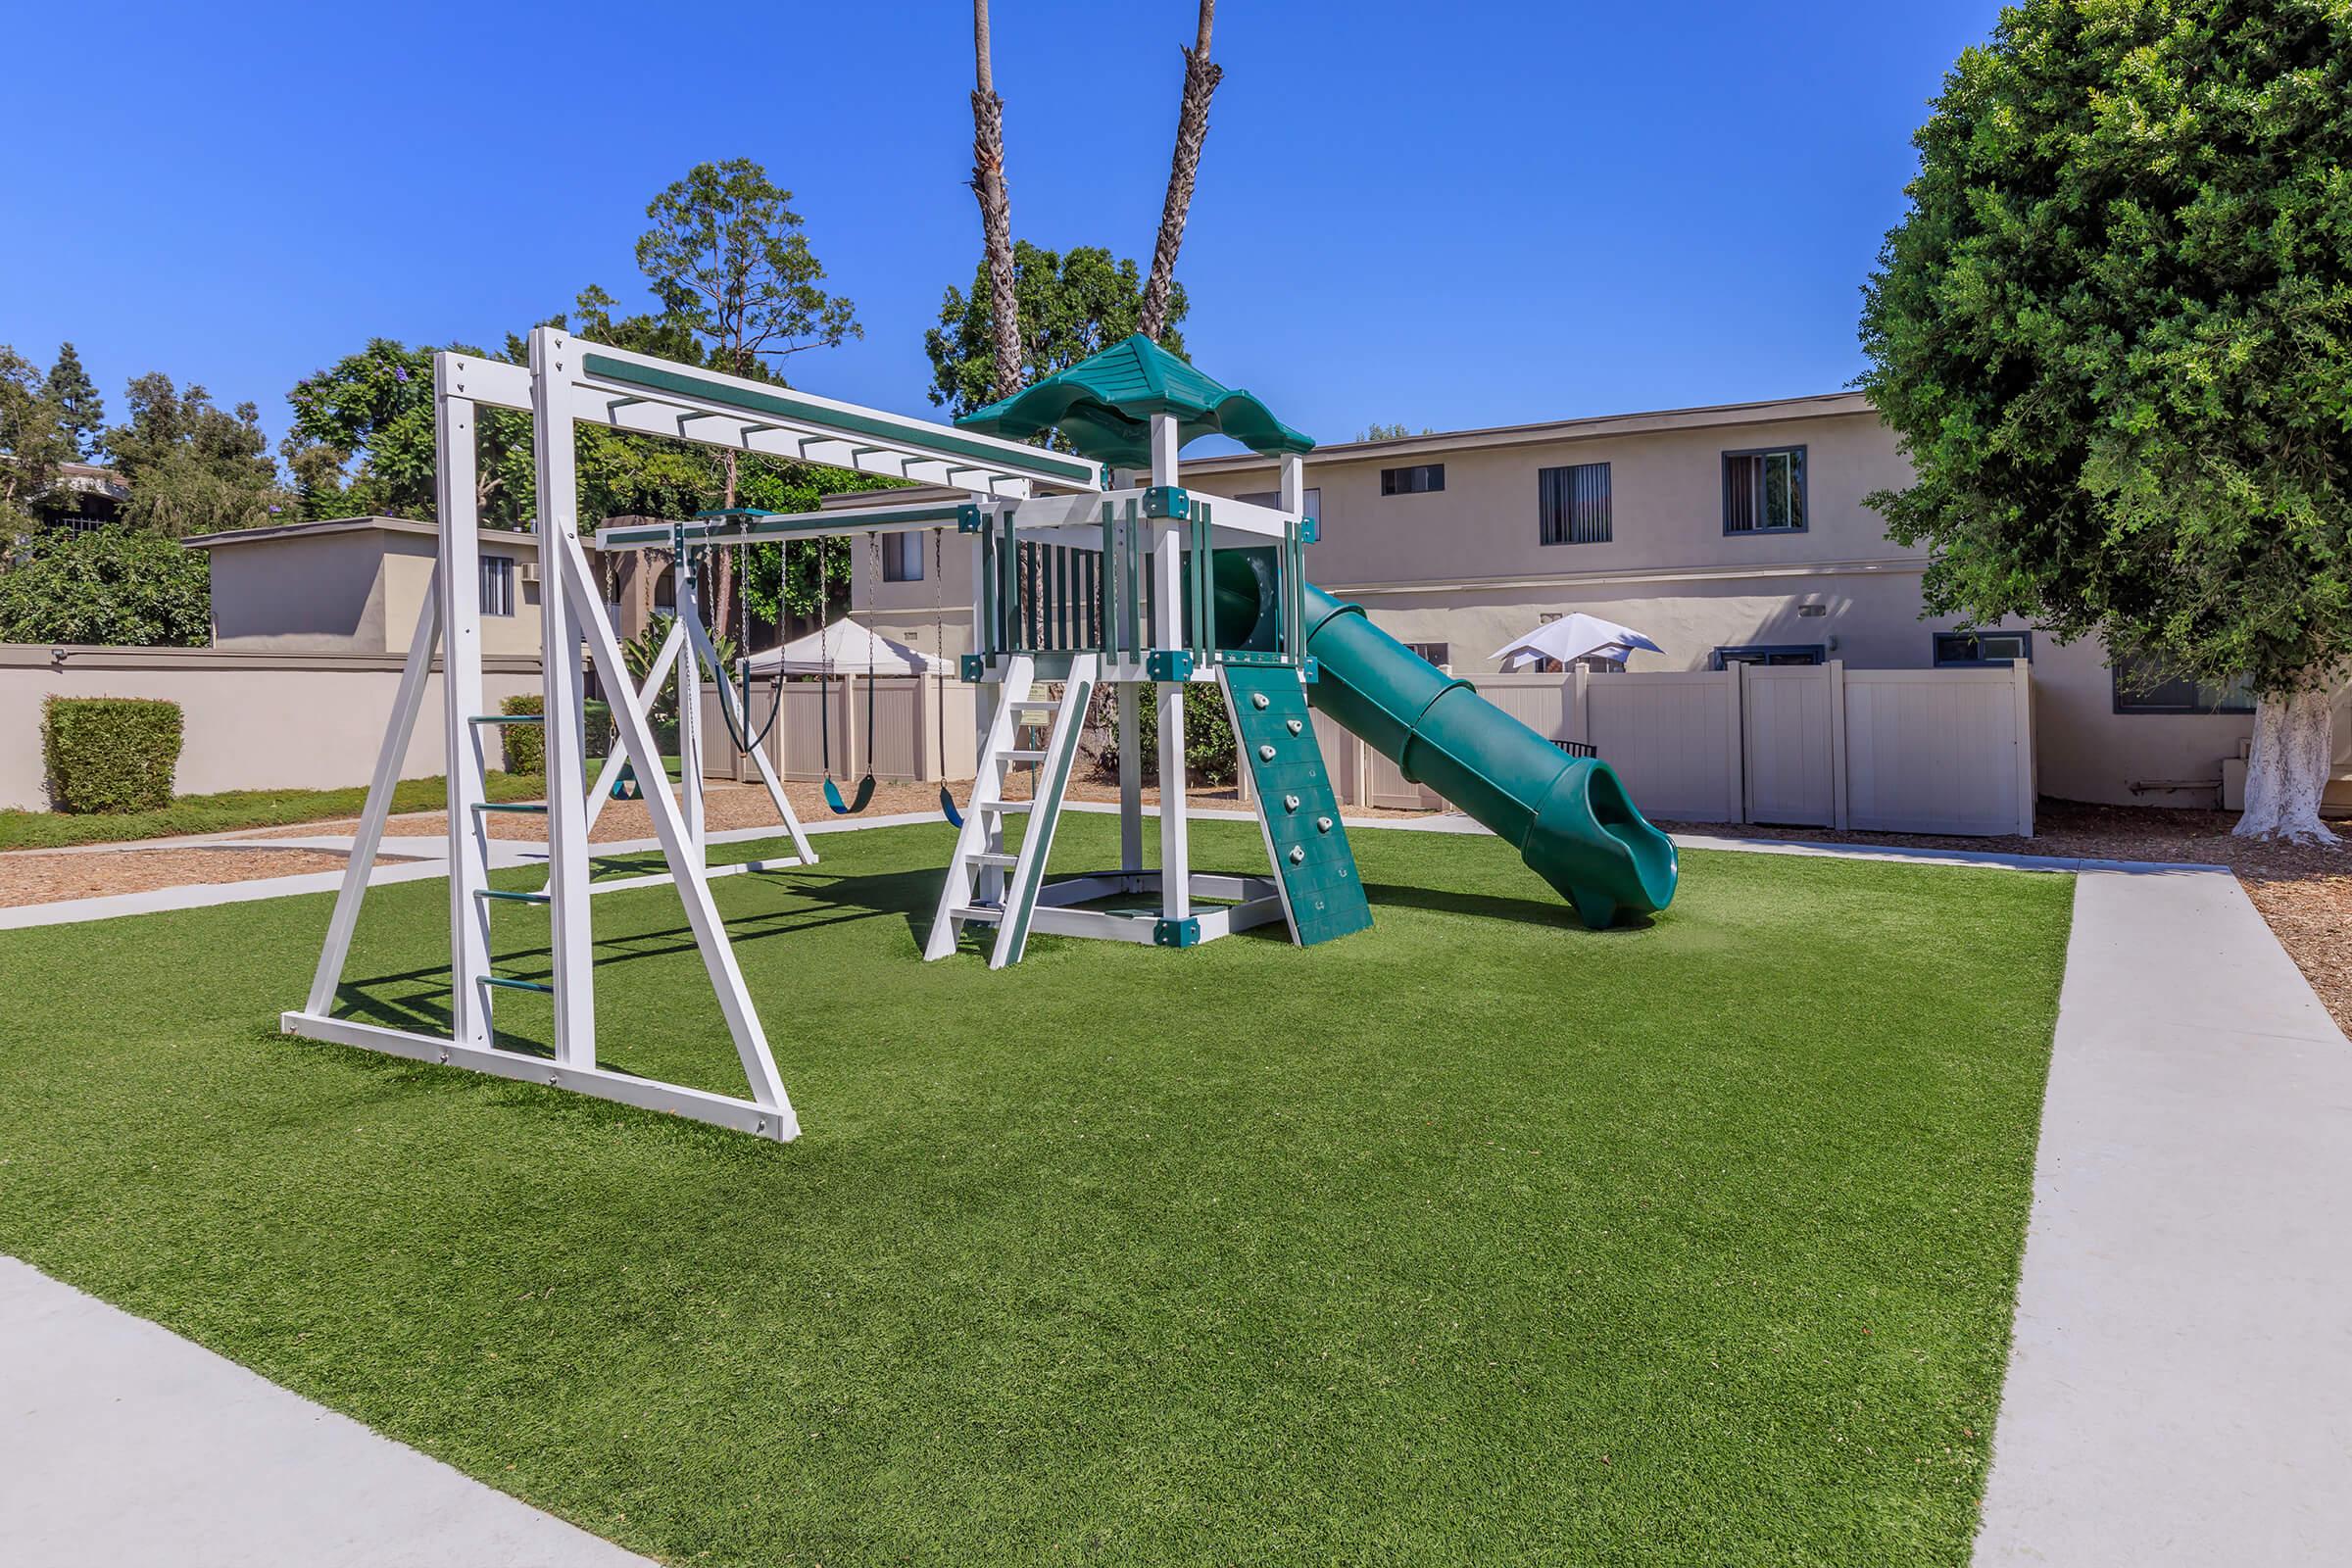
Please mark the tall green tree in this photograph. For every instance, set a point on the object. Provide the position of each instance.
(2114, 332)
(80, 410)
(1073, 304)
(363, 441)
(32, 441)
(727, 255)
(192, 467)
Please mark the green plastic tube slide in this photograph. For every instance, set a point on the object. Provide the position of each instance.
(1569, 816)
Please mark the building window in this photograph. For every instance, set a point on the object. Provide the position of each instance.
(1438, 654)
(1767, 654)
(498, 585)
(1415, 481)
(2144, 687)
(1572, 504)
(1764, 491)
(1964, 648)
(902, 555)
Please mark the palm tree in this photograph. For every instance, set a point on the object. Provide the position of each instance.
(995, 213)
(1201, 79)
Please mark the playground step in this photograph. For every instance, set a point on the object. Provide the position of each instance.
(1003, 862)
(509, 896)
(984, 913)
(508, 982)
(1025, 754)
(507, 718)
(516, 807)
(1007, 808)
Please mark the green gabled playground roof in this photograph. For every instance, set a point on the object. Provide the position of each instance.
(1104, 405)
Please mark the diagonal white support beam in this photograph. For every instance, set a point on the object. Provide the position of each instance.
(405, 705)
(578, 582)
(602, 790)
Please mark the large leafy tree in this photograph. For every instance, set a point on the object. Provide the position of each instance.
(363, 441)
(114, 585)
(1073, 304)
(2114, 332)
(727, 258)
(192, 467)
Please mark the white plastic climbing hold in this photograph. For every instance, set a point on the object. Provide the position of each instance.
(1257, 699)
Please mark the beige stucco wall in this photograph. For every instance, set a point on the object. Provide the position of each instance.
(352, 591)
(252, 719)
(318, 593)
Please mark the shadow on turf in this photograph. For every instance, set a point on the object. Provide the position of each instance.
(1492, 907)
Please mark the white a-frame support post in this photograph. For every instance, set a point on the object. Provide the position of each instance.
(572, 616)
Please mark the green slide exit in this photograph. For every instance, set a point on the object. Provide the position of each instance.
(1569, 817)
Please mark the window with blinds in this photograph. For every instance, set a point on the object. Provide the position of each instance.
(1572, 504)
(1420, 479)
(1764, 491)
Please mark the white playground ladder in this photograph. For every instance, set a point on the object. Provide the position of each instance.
(487, 896)
(987, 885)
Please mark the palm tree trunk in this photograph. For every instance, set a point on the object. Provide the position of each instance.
(996, 211)
(1201, 79)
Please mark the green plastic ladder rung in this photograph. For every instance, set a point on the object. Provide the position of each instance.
(508, 982)
(515, 807)
(507, 718)
(510, 894)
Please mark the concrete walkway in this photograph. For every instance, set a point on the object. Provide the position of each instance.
(2181, 1387)
(124, 1445)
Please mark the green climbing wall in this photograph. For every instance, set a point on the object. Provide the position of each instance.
(1276, 741)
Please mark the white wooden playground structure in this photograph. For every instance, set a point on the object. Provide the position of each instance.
(1062, 501)
(1089, 572)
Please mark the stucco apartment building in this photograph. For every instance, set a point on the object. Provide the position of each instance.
(1729, 533)
(354, 585)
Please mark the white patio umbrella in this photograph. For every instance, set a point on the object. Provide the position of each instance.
(1571, 638)
(849, 648)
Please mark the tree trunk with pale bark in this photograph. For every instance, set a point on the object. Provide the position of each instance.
(2287, 773)
(996, 208)
(1201, 79)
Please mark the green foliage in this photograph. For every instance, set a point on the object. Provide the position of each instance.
(639, 653)
(191, 467)
(81, 412)
(2114, 332)
(1072, 305)
(114, 585)
(32, 441)
(110, 754)
(1208, 744)
(232, 810)
(1388, 432)
(362, 440)
(525, 744)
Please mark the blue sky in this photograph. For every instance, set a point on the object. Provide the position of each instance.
(1444, 216)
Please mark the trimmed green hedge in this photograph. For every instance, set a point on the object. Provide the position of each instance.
(110, 754)
(527, 744)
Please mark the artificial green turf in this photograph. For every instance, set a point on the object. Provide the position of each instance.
(232, 810)
(1474, 1238)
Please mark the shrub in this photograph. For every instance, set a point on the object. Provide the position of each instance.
(527, 744)
(112, 585)
(110, 754)
(1208, 747)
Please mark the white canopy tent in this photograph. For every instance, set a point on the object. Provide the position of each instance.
(848, 648)
(1571, 638)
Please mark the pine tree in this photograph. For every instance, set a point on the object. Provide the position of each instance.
(81, 413)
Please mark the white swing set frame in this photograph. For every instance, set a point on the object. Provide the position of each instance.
(569, 381)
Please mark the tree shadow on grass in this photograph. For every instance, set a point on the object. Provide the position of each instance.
(1496, 906)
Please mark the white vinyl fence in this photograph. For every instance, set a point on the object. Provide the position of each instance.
(1899, 751)
(922, 730)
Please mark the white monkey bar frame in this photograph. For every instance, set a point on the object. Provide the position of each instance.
(569, 381)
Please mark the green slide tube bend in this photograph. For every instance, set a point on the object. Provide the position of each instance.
(1569, 816)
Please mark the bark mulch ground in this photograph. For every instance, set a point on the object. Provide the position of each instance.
(47, 877)
(2304, 892)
